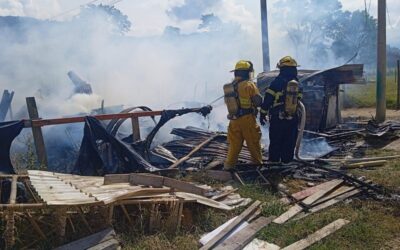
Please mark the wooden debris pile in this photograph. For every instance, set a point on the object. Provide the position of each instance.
(63, 206)
(214, 151)
(239, 232)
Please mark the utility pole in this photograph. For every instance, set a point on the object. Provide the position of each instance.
(264, 35)
(381, 64)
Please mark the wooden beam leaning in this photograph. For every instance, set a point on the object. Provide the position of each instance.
(243, 216)
(195, 150)
(318, 235)
(37, 132)
(245, 236)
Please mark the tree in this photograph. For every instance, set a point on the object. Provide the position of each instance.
(322, 29)
(306, 28)
(354, 37)
(104, 13)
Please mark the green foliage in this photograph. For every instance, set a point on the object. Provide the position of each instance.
(323, 27)
(95, 14)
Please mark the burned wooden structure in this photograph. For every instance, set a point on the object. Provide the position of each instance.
(58, 208)
(321, 92)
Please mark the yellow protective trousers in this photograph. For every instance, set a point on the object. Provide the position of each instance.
(243, 129)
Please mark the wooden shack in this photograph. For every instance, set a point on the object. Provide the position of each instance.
(321, 91)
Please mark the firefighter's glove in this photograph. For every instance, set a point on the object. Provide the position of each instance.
(263, 118)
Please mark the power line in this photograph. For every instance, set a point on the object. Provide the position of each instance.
(389, 19)
(111, 3)
(76, 8)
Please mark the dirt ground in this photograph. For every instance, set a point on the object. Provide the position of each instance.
(368, 113)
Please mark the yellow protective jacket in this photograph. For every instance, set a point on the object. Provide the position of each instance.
(245, 128)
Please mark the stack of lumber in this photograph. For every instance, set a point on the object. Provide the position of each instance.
(54, 191)
(224, 199)
(317, 198)
(192, 137)
(238, 232)
(57, 189)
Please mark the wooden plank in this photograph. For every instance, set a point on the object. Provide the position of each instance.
(318, 235)
(203, 200)
(184, 186)
(207, 237)
(341, 190)
(195, 150)
(244, 236)
(146, 179)
(90, 241)
(57, 121)
(130, 194)
(111, 244)
(116, 178)
(295, 209)
(135, 129)
(310, 191)
(37, 132)
(329, 203)
(159, 181)
(257, 244)
(224, 194)
(334, 201)
(365, 164)
(243, 216)
(13, 193)
(320, 193)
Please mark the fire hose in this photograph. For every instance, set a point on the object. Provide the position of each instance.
(302, 125)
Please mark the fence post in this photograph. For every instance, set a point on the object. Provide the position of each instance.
(398, 84)
(135, 129)
(37, 132)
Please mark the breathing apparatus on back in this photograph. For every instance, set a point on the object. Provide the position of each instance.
(288, 67)
(244, 70)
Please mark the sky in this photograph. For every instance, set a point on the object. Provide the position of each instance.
(151, 16)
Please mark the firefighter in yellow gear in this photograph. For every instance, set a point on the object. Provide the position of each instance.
(242, 98)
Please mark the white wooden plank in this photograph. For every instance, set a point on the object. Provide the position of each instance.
(318, 235)
(203, 200)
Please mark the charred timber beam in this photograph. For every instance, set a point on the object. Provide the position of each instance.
(37, 132)
(195, 150)
(345, 176)
(57, 121)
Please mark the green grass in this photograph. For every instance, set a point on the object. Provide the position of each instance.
(364, 96)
